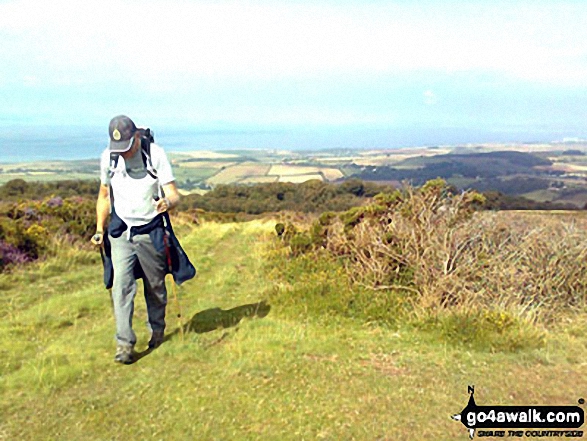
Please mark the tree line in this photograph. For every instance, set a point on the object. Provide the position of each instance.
(309, 197)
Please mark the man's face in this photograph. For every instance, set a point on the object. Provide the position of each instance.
(136, 145)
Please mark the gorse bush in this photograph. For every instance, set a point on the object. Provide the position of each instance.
(433, 247)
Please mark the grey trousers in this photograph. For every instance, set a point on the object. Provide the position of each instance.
(125, 254)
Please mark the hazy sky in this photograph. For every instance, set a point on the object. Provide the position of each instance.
(474, 64)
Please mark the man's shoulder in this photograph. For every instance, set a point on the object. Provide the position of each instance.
(105, 156)
(157, 152)
(156, 149)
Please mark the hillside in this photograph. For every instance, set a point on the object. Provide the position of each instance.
(553, 172)
(250, 370)
(473, 165)
(539, 176)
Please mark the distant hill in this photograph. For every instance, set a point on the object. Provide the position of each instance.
(517, 176)
(509, 158)
(474, 165)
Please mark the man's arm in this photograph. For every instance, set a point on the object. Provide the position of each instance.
(102, 212)
(171, 198)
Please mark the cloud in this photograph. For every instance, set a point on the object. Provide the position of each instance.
(260, 60)
(429, 98)
(156, 43)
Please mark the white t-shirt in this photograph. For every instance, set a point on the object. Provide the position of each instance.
(133, 189)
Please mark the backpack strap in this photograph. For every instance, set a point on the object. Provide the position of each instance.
(113, 164)
(146, 140)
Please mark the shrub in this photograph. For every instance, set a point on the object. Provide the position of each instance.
(11, 255)
(435, 246)
(31, 229)
(300, 243)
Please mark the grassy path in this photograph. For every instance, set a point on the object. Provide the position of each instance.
(267, 377)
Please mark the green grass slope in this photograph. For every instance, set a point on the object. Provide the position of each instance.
(245, 370)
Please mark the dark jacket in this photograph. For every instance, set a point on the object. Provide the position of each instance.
(161, 233)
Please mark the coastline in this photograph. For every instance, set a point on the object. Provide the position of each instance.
(41, 144)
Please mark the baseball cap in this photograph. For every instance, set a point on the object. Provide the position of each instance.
(121, 131)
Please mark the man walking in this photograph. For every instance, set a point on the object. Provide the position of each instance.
(137, 187)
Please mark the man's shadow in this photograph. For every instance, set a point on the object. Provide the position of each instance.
(215, 318)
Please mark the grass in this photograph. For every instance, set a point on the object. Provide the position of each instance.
(278, 375)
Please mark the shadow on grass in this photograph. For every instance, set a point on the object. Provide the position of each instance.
(215, 318)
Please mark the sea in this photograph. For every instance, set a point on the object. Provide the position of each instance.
(46, 143)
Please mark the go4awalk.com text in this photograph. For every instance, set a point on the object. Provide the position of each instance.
(530, 433)
(521, 421)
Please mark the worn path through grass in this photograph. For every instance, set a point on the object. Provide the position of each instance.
(243, 372)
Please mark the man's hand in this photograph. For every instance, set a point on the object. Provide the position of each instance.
(98, 238)
(171, 198)
(163, 205)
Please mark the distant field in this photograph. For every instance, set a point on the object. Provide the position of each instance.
(208, 155)
(330, 174)
(44, 171)
(461, 182)
(336, 159)
(291, 170)
(373, 160)
(193, 174)
(579, 199)
(298, 179)
(259, 180)
(394, 157)
(571, 167)
(47, 176)
(249, 166)
(251, 173)
(205, 164)
(540, 195)
(348, 170)
(238, 172)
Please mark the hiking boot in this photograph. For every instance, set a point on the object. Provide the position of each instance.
(124, 354)
(156, 339)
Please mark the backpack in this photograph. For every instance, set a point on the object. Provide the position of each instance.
(146, 139)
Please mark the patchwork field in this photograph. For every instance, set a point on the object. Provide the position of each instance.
(259, 180)
(251, 173)
(205, 154)
(564, 174)
(204, 164)
(285, 170)
(238, 172)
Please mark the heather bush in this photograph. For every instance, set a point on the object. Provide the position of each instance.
(31, 229)
(11, 255)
